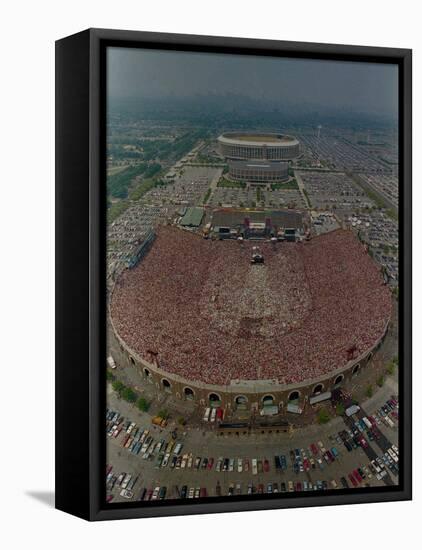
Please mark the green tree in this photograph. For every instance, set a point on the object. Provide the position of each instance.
(380, 380)
(340, 409)
(110, 376)
(129, 395)
(369, 391)
(118, 386)
(163, 413)
(391, 367)
(142, 404)
(323, 416)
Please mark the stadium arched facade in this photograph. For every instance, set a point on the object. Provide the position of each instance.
(249, 395)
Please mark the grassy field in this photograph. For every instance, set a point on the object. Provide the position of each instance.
(115, 170)
(117, 209)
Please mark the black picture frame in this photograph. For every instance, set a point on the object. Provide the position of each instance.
(80, 271)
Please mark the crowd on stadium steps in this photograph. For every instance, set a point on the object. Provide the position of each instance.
(206, 314)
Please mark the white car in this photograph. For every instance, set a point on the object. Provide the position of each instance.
(213, 415)
(165, 460)
(177, 448)
(393, 455)
(144, 436)
(254, 466)
(155, 493)
(111, 362)
(126, 493)
(239, 465)
(231, 465)
(130, 428)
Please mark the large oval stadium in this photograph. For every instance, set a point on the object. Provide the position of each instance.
(258, 146)
(258, 158)
(203, 323)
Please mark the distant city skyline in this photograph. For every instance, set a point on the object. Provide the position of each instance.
(350, 87)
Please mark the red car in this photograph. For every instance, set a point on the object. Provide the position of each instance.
(330, 456)
(353, 480)
(210, 463)
(108, 469)
(117, 431)
(260, 488)
(306, 464)
(357, 476)
(266, 465)
(298, 486)
(376, 432)
(314, 449)
(363, 442)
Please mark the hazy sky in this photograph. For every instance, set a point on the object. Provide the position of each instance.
(357, 87)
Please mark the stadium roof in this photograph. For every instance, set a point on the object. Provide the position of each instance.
(258, 139)
(264, 166)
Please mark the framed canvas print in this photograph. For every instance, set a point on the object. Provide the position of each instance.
(233, 274)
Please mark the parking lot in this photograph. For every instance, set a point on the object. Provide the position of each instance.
(313, 458)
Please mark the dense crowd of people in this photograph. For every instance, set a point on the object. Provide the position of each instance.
(202, 311)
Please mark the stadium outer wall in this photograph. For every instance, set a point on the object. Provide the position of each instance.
(253, 392)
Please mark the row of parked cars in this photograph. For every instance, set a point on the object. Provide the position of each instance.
(140, 441)
(190, 492)
(123, 482)
(315, 456)
(388, 414)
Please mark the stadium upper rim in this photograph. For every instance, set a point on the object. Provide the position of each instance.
(257, 139)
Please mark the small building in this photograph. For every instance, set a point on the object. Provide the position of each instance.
(192, 217)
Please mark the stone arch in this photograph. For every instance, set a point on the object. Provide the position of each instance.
(294, 395)
(132, 360)
(189, 393)
(214, 397)
(241, 400)
(268, 399)
(318, 389)
(339, 379)
(356, 369)
(166, 385)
